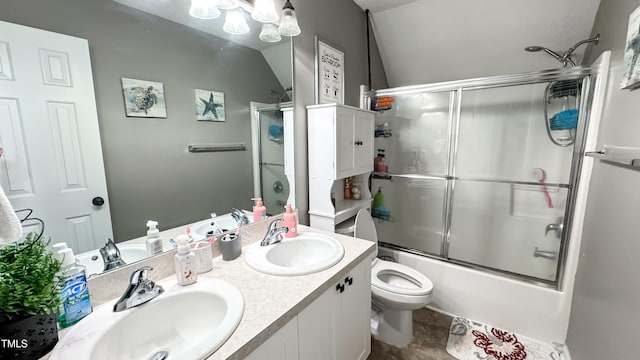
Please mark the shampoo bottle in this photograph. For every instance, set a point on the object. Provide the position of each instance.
(259, 211)
(74, 292)
(290, 220)
(185, 261)
(154, 241)
(378, 199)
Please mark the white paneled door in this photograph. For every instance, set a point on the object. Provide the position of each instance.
(52, 161)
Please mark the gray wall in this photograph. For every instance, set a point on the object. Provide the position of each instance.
(604, 314)
(149, 173)
(342, 24)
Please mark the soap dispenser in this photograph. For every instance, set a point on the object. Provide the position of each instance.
(290, 220)
(259, 210)
(185, 261)
(154, 241)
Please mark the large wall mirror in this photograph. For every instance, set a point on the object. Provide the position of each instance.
(150, 172)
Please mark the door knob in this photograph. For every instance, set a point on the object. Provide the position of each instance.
(97, 201)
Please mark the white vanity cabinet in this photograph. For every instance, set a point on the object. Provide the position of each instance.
(283, 345)
(340, 144)
(337, 324)
(334, 326)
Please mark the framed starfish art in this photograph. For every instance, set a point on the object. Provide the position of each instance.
(209, 105)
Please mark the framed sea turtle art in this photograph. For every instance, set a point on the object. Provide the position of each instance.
(209, 105)
(143, 98)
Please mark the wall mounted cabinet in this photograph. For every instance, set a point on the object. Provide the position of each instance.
(340, 146)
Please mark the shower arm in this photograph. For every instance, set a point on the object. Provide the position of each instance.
(567, 55)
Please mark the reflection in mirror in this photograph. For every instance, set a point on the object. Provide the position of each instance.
(64, 125)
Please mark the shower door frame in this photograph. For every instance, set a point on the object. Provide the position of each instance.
(256, 134)
(455, 88)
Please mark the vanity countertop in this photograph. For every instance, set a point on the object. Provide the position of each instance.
(271, 301)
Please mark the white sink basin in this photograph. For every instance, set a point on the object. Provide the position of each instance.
(206, 229)
(305, 254)
(188, 322)
(130, 253)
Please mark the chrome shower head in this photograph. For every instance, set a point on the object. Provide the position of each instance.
(533, 48)
(565, 59)
(557, 56)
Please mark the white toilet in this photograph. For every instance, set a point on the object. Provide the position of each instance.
(396, 290)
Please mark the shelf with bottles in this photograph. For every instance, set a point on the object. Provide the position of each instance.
(383, 130)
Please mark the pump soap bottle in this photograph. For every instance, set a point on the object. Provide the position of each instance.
(259, 211)
(185, 261)
(154, 241)
(290, 220)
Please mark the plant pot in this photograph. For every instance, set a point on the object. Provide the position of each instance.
(28, 338)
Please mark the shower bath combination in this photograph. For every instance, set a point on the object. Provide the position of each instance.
(565, 95)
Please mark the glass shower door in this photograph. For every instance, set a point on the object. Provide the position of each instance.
(274, 187)
(414, 137)
(510, 183)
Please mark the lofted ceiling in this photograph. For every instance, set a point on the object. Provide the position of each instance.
(427, 41)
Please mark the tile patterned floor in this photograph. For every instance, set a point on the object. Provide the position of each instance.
(430, 333)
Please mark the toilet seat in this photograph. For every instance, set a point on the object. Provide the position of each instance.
(399, 279)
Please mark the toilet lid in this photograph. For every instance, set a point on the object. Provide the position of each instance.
(399, 279)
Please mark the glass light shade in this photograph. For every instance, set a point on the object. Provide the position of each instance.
(204, 9)
(269, 33)
(264, 11)
(226, 4)
(234, 23)
(289, 23)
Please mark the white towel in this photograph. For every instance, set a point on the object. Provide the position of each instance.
(10, 227)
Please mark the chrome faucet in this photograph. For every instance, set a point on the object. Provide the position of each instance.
(111, 255)
(139, 291)
(240, 217)
(274, 234)
(558, 227)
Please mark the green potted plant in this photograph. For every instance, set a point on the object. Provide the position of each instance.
(29, 298)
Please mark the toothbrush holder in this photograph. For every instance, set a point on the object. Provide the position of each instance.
(204, 257)
(230, 247)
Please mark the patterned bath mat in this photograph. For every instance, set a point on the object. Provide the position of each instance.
(470, 340)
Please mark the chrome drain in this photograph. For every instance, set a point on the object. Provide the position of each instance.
(160, 355)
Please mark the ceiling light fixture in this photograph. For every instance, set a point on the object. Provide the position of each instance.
(235, 23)
(289, 23)
(264, 11)
(204, 9)
(226, 4)
(269, 33)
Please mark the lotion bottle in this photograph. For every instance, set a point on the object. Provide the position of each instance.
(259, 210)
(185, 261)
(154, 241)
(290, 220)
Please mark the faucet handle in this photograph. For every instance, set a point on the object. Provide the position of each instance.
(140, 275)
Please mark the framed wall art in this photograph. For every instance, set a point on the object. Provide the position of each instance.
(329, 73)
(209, 105)
(631, 77)
(143, 98)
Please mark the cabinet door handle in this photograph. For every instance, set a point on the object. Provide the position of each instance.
(348, 280)
(359, 142)
(340, 287)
